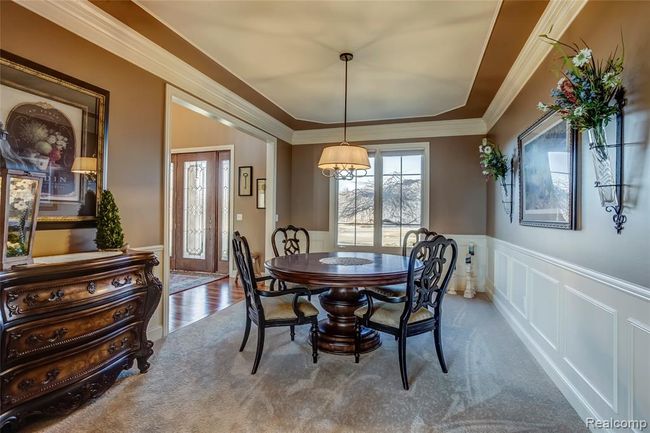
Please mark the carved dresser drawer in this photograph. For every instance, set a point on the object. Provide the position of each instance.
(23, 384)
(34, 337)
(68, 329)
(39, 298)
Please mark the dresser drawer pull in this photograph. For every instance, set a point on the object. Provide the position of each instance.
(124, 313)
(50, 376)
(117, 284)
(56, 296)
(35, 339)
(91, 288)
(123, 343)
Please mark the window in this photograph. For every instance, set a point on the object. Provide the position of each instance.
(377, 209)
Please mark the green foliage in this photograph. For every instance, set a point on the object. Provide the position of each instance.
(109, 227)
(493, 162)
(584, 94)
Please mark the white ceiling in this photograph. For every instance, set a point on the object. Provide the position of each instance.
(411, 59)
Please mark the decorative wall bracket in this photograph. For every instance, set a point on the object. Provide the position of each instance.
(507, 192)
(616, 206)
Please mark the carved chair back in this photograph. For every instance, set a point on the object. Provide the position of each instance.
(412, 237)
(290, 239)
(428, 287)
(244, 263)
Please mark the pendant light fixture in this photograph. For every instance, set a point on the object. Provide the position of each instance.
(343, 160)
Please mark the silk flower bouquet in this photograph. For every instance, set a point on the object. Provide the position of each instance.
(585, 97)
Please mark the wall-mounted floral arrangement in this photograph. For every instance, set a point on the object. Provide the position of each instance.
(499, 167)
(589, 95)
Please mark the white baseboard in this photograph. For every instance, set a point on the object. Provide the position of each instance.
(590, 332)
(155, 333)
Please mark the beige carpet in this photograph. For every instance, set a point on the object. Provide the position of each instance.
(199, 382)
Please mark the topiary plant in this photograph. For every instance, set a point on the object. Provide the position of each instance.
(109, 227)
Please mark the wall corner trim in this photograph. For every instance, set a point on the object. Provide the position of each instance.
(557, 17)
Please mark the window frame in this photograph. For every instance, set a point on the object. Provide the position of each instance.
(378, 150)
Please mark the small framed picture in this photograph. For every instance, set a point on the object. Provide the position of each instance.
(261, 193)
(548, 174)
(245, 180)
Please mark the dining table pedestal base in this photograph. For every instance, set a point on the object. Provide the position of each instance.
(336, 332)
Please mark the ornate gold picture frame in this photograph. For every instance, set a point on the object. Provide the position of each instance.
(54, 125)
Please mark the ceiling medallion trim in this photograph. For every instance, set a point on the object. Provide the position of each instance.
(298, 118)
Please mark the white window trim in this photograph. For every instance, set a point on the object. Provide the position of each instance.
(418, 146)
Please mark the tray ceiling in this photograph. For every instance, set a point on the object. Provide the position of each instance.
(411, 59)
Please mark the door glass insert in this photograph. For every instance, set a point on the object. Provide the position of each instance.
(225, 209)
(194, 209)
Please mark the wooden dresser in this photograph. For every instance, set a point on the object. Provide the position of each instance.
(68, 329)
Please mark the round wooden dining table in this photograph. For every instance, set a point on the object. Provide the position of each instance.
(343, 273)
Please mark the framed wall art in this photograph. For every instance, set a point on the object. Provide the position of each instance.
(548, 174)
(52, 120)
(261, 193)
(245, 180)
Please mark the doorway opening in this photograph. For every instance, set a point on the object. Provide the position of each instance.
(200, 212)
(205, 149)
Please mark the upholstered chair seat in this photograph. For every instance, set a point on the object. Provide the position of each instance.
(392, 291)
(281, 308)
(388, 314)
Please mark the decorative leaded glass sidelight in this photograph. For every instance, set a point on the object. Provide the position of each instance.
(195, 209)
(225, 209)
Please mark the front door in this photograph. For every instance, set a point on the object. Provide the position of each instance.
(197, 211)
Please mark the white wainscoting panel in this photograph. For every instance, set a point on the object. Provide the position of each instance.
(589, 331)
(501, 273)
(590, 347)
(320, 241)
(518, 286)
(639, 368)
(155, 330)
(544, 306)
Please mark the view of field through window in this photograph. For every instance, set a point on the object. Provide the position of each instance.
(386, 201)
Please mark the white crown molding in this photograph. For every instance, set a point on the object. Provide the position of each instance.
(91, 23)
(88, 21)
(411, 130)
(557, 17)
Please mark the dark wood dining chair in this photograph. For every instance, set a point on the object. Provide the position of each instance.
(291, 240)
(272, 309)
(411, 238)
(287, 241)
(420, 309)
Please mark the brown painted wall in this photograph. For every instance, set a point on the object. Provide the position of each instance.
(135, 133)
(283, 187)
(190, 129)
(457, 189)
(595, 244)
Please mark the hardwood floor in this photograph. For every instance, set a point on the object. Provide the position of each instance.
(194, 304)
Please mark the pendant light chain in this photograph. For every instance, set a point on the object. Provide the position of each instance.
(345, 105)
(344, 161)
